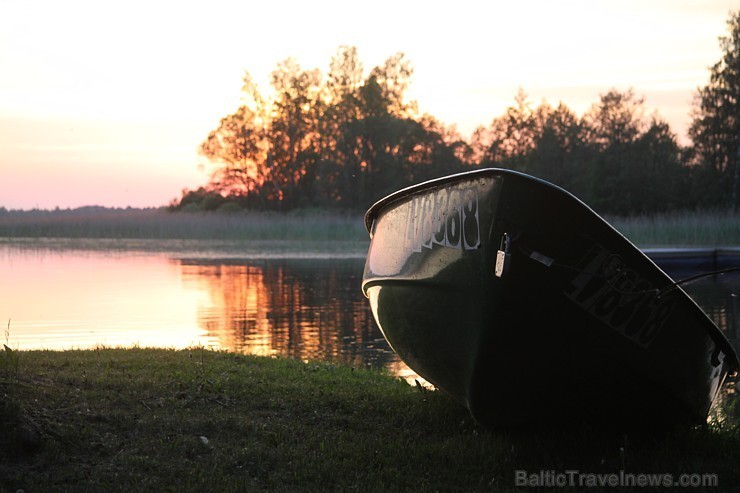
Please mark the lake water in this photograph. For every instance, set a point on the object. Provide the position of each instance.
(265, 299)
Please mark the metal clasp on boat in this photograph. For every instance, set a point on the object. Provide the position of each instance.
(503, 256)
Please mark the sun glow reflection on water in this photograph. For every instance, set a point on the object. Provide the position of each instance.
(62, 300)
(75, 298)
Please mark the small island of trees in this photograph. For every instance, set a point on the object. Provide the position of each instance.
(343, 140)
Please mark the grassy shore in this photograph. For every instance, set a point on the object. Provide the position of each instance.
(198, 420)
(715, 228)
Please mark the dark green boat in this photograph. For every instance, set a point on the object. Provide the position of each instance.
(517, 299)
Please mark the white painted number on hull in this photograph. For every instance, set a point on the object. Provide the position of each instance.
(446, 217)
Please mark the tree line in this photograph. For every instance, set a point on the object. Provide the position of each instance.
(344, 140)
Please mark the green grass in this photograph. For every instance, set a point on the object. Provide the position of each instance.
(199, 420)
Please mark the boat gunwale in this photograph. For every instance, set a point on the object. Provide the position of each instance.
(386, 201)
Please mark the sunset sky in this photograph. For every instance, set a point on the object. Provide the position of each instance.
(106, 103)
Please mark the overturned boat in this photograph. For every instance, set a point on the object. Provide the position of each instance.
(514, 297)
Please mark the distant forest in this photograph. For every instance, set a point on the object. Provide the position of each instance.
(344, 140)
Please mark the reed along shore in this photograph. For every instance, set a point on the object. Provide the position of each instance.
(719, 228)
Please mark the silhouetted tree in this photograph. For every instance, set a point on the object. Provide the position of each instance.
(341, 97)
(612, 157)
(293, 130)
(510, 137)
(715, 128)
(609, 130)
(346, 140)
(629, 157)
(556, 146)
(238, 146)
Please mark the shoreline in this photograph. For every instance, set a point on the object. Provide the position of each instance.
(695, 259)
(698, 229)
(700, 257)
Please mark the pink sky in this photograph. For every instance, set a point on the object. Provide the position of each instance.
(106, 104)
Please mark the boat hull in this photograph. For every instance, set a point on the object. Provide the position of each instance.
(578, 324)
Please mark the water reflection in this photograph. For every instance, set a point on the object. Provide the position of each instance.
(57, 299)
(304, 309)
(53, 296)
(718, 296)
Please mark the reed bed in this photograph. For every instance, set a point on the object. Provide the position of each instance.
(681, 229)
(677, 229)
(162, 224)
